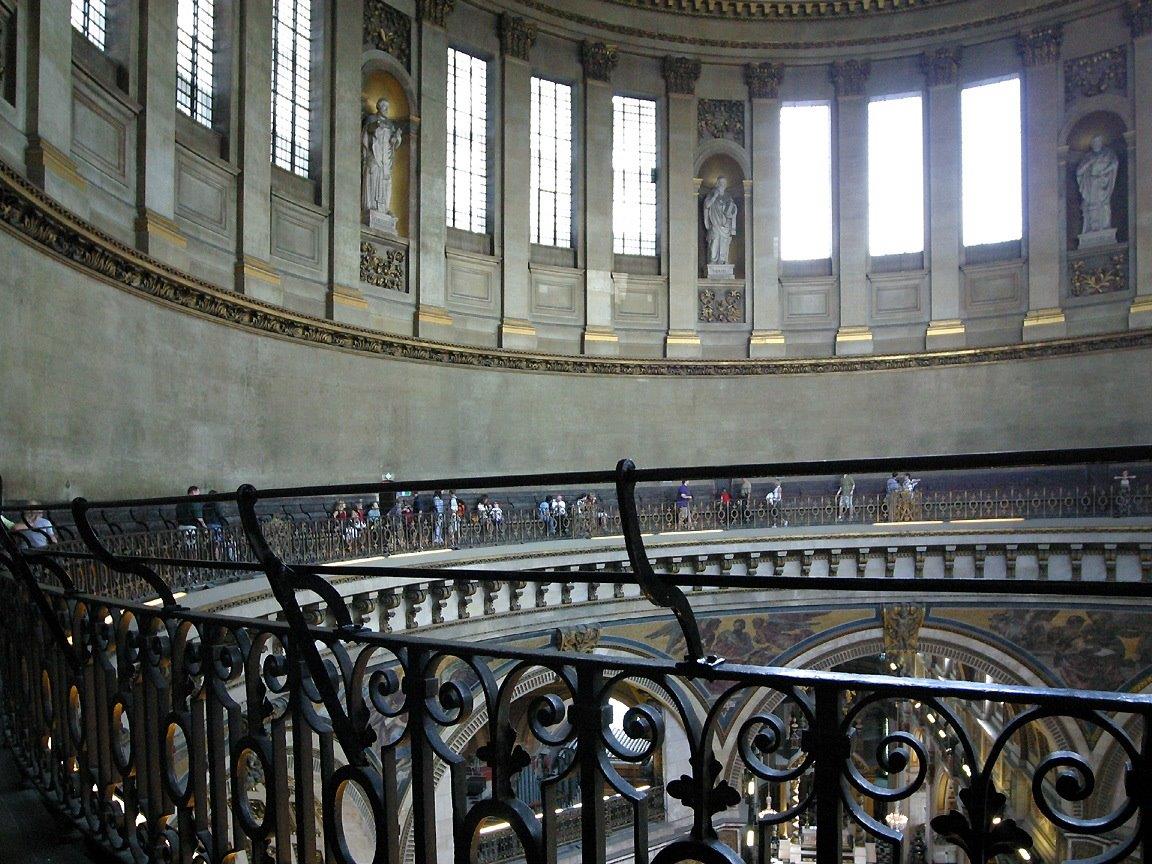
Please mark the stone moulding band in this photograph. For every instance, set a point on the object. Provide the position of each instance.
(36, 219)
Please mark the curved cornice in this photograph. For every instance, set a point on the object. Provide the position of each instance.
(38, 220)
(753, 9)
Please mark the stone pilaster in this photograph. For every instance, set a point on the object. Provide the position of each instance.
(683, 340)
(345, 302)
(516, 38)
(1042, 108)
(255, 276)
(763, 80)
(156, 231)
(599, 334)
(48, 105)
(945, 329)
(1140, 22)
(432, 318)
(849, 78)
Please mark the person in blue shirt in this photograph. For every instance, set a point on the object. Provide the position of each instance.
(683, 505)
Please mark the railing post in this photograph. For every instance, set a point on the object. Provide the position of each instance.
(590, 723)
(831, 748)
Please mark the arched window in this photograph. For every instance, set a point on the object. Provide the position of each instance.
(291, 84)
(90, 17)
(551, 183)
(194, 47)
(467, 193)
(991, 169)
(634, 176)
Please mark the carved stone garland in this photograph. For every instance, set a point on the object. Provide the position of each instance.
(1103, 72)
(383, 271)
(1088, 281)
(517, 36)
(1040, 46)
(721, 306)
(721, 118)
(389, 30)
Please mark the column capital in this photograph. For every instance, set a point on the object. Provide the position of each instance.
(435, 11)
(680, 74)
(763, 80)
(1138, 14)
(517, 36)
(849, 76)
(1040, 46)
(598, 60)
(941, 66)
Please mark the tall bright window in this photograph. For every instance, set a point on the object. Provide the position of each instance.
(467, 142)
(551, 190)
(805, 182)
(291, 83)
(895, 176)
(194, 43)
(634, 176)
(991, 172)
(90, 17)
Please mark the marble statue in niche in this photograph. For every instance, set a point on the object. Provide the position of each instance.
(1096, 178)
(720, 228)
(379, 142)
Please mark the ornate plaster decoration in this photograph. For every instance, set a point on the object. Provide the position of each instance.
(517, 36)
(721, 118)
(680, 74)
(1103, 72)
(1089, 280)
(721, 306)
(581, 639)
(598, 60)
(35, 219)
(382, 270)
(389, 30)
(1040, 46)
(1139, 17)
(763, 80)
(435, 11)
(902, 623)
(940, 66)
(791, 9)
(850, 76)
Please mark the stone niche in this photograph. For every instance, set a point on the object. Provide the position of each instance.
(1097, 260)
(715, 166)
(379, 83)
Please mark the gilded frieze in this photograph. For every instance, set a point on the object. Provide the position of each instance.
(1090, 276)
(721, 118)
(721, 306)
(388, 30)
(382, 268)
(1103, 72)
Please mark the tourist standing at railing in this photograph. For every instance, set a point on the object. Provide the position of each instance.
(374, 513)
(844, 498)
(453, 519)
(1124, 493)
(746, 493)
(190, 519)
(684, 506)
(438, 523)
(561, 514)
(35, 527)
(497, 515)
(775, 501)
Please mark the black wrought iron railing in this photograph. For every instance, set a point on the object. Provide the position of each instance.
(169, 734)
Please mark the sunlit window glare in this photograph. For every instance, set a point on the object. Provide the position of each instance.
(895, 176)
(633, 170)
(90, 17)
(991, 162)
(194, 38)
(550, 208)
(467, 194)
(805, 182)
(291, 84)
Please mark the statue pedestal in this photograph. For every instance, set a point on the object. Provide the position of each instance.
(721, 271)
(381, 221)
(1088, 239)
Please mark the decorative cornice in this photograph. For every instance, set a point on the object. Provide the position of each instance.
(850, 76)
(435, 11)
(36, 219)
(598, 60)
(517, 36)
(1139, 17)
(763, 79)
(743, 10)
(940, 66)
(1040, 46)
(680, 74)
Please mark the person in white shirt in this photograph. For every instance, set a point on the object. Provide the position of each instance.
(775, 500)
